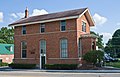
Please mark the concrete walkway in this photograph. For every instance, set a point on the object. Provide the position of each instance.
(67, 71)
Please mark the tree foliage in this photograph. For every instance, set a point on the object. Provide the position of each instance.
(6, 35)
(99, 40)
(113, 45)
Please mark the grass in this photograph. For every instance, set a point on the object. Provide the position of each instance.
(114, 64)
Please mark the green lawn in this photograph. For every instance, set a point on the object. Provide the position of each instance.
(113, 64)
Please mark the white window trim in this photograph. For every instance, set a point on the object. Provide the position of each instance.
(40, 27)
(82, 26)
(60, 49)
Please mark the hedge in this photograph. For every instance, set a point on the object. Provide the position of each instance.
(3, 64)
(94, 57)
(22, 66)
(61, 66)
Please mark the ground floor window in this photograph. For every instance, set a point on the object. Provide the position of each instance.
(93, 45)
(0, 60)
(24, 49)
(42, 46)
(63, 48)
(79, 48)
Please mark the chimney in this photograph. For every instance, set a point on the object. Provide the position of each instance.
(26, 13)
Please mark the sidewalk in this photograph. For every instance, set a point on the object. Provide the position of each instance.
(65, 71)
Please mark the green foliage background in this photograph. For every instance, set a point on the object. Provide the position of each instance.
(7, 35)
(113, 45)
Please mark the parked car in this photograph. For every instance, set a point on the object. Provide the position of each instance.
(108, 58)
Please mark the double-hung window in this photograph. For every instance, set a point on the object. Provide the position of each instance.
(83, 26)
(79, 48)
(24, 49)
(23, 29)
(42, 27)
(63, 25)
(63, 48)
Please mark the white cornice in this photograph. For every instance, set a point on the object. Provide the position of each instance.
(44, 21)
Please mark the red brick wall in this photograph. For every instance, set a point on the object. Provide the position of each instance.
(7, 58)
(52, 36)
(87, 44)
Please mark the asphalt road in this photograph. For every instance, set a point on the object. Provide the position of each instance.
(54, 74)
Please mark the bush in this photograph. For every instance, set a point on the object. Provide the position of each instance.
(3, 64)
(22, 66)
(94, 57)
(61, 66)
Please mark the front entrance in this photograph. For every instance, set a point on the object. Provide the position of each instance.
(42, 62)
(42, 53)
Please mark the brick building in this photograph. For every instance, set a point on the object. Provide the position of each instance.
(6, 53)
(56, 38)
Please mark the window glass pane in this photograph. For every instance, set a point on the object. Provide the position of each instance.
(63, 25)
(63, 43)
(23, 53)
(79, 48)
(23, 29)
(42, 28)
(24, 45)
(43, 46)
(84, 26)
(63, 28)
(24, 49)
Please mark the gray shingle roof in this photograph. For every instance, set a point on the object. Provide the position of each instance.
(50, 16)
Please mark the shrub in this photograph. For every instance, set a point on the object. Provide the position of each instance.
(94, 57)
(22, 66)
(3, 64)
(61, 66)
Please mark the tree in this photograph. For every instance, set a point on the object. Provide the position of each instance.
(99, 40)
(6, 35)
(113, 45)
(2, 41)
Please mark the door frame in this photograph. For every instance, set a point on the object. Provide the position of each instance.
(41, 60)
(44, 54)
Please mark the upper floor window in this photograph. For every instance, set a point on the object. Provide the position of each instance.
(83, 26)
(63, 25)
(63, 48)
(24, 49)
(23, 29)
(42, 27)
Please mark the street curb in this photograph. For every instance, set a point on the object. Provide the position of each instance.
(64, 71)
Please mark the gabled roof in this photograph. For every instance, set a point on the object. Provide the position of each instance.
(53, 16)
(5, 49)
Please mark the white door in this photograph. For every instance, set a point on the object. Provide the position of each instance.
(42, 53)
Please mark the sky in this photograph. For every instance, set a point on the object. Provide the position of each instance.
(106, 13)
